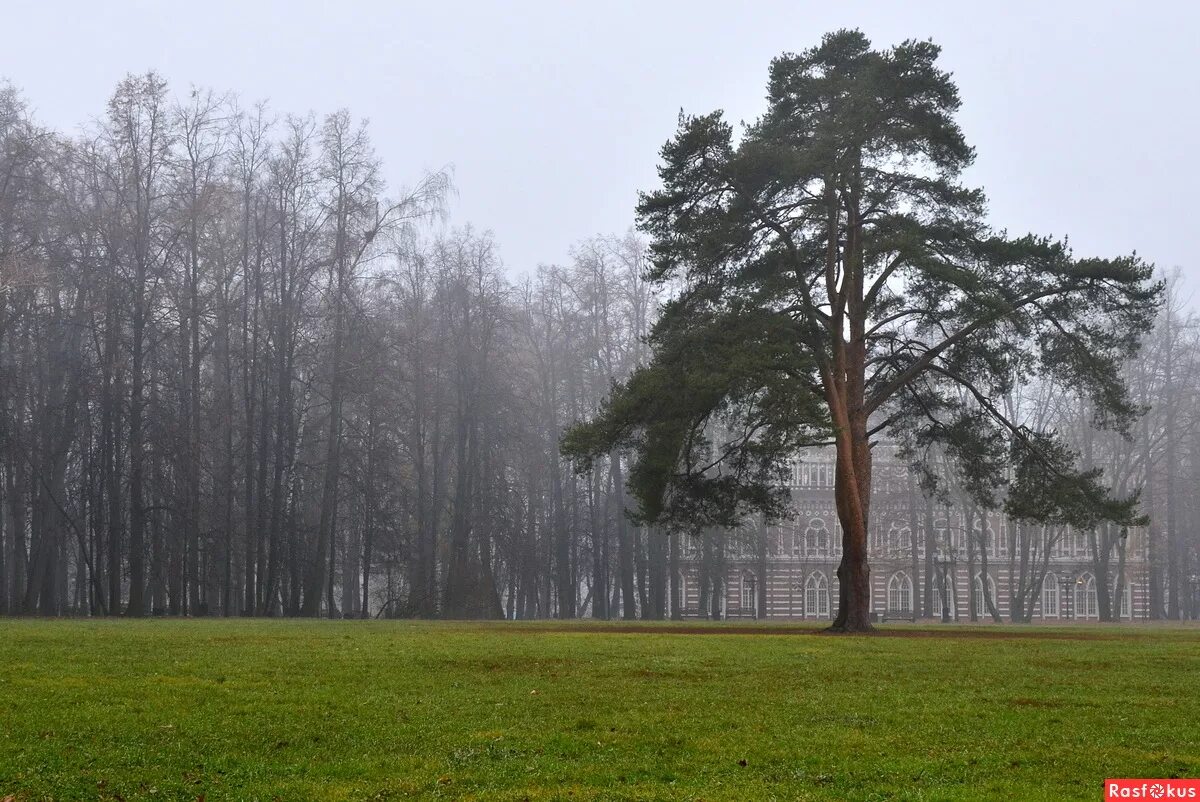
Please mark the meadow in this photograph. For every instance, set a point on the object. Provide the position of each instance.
(297, 710)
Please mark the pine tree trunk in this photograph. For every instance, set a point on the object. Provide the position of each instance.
(852, 485)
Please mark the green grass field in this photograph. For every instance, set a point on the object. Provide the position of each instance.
(238, 709)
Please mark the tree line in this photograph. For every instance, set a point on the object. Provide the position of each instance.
(238, 377)
(241, 376)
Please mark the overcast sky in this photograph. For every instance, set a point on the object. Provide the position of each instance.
(1084, 115)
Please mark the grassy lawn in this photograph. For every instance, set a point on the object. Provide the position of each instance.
(238, 709)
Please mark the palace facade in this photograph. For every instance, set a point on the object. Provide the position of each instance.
(788, 570)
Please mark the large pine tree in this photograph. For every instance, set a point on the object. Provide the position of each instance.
(834, 280)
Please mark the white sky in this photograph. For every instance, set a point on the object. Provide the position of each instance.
(1084, 114)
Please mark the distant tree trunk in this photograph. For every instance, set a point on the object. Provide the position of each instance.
(139, 123)
(600, 608)
(1191, 555)
(284, 443)
(16, 482)
(1100, 545)
(914, 542)
(188, 462)
(1120, 586)
(5, 460)
(717, 575)
(223, 481)
(564, 580)
(624, 542)
(576, 544)
(5, 535)
(369, 507)
(656, 543)
(315, 585)
(760, 543)
(527, 606)
(989, 600)
(137, 506)
(969, 534)
(930, 550)
(640, 568)
(351, 541)
(1021, 588)
(1153, 559)
(110, 472)
(677, 600)
(1174, 540)
(455, 599)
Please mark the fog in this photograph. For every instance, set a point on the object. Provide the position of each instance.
(339, 310)
(1084, 114)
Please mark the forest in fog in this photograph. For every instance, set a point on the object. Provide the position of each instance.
(239, 375)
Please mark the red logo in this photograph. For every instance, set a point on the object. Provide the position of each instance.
(1151, 789)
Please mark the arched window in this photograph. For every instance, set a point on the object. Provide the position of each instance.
(1061, 542)
(816, 596)
(899, 593)
(1086, 605)
(817, 536)
(1050, 594)
(947, 593)
(980, 604)
(749, 596)
(898, 537)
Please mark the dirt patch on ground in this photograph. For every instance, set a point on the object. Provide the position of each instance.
(1016, 632)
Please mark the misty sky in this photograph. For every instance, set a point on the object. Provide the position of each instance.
(1084, 115)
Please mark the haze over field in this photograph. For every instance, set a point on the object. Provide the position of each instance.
(1084, 114)
(324, 311)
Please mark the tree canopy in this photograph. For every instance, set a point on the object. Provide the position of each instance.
(834, 280)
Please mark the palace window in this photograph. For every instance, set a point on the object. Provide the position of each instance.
(749, 597)
(899, 537)
(899, 592)
(813, 474)
(946, 593)
(817, 536)
(1086, 605)
(816, 596)
(980, 604)
(1050, 593)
